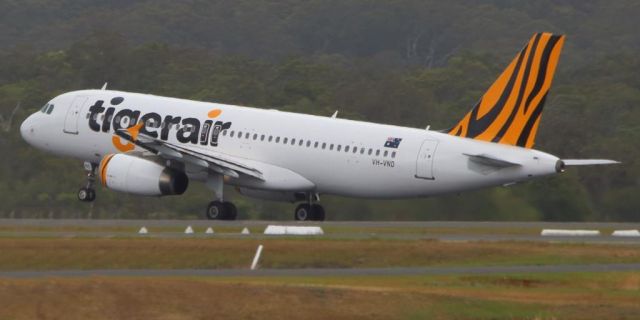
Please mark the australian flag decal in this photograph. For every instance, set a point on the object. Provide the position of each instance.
(393, 142)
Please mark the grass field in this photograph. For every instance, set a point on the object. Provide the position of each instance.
(601, 295)
(168, 253)
(556, 296)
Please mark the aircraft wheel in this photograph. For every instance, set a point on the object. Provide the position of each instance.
(230, 211)
(215, 210)
(317, 212)
(86, 194)
(303, 212)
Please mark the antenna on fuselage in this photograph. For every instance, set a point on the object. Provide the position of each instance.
(335, 115)
(104, 86)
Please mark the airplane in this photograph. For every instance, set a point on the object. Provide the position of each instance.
(155, 146)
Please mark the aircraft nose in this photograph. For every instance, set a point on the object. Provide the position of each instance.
(26, 129)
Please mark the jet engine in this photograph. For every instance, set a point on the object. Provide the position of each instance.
(127, 173)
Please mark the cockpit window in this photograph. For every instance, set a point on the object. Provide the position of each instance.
(50, 109)
(44, 109)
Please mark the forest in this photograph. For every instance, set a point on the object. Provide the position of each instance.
(405, 62)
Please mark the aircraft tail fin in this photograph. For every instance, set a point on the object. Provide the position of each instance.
(509, 112)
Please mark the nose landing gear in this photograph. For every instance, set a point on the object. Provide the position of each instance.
(87, 193)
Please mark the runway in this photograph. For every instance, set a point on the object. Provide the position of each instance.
(391, 230)
(354, 224)
(327, 272)
(446, 231)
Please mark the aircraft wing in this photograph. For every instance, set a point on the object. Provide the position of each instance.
(218, 162)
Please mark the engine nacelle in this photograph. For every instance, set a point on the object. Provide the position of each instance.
(126, 173)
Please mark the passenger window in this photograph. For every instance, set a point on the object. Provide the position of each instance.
(315, 145)
(324, 145)
(231, 135)
(301, 142)
(331, 147)
(224, 132)
(277, 139)
(246, 136)
(285, 140)
(270, 138)
(393, 154)
(346, 149)
(361, 150)
(339, 147)
(308, 143)
(262, 137)
(240, 134)
(377, 152)
(293, 141)
(355, 149)
(255, 136)
(386, 153)
(370, 151)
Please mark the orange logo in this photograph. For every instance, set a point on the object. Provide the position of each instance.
(133, 132)
(214, 113)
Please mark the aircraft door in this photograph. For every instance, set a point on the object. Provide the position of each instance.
(424, 163)
(73, 113)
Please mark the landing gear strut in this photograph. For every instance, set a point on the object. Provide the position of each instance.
(219, 209)
(87, 193)
(309, 211)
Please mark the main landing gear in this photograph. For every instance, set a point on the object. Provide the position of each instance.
(219, 209)
(87, 193)
(309, 211)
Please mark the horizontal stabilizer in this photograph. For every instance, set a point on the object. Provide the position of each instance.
(493, 161)
(587, 162)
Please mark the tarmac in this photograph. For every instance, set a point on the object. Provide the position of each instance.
(239, 224)
(316, 272)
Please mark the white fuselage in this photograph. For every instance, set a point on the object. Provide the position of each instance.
(422, 163)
